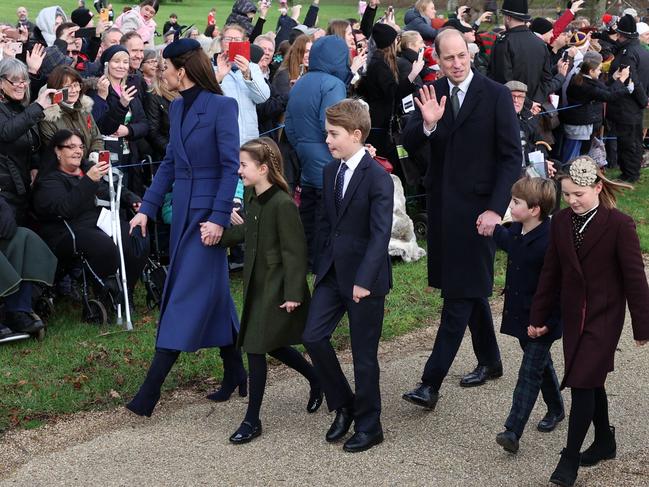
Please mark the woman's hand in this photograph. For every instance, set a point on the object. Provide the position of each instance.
(139, 220)
(98, 171)
(359, 61)
(45, 98)
(35, 58)
(103, 85)
(122, 131)
(290, 306)
(244, 66)
(417, 66)
(622, 74)
(211, 233)
(223, 66)
(127, 95)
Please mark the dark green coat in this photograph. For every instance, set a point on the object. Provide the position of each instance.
(274, 271)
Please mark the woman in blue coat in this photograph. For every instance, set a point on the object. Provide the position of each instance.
(201, 163)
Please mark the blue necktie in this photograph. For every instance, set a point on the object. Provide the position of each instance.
(340, 183)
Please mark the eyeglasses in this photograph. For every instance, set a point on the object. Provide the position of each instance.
(74, 53)
(151, 61)
(73, 147)
(518, 97)
(21, 82)
(233, 39)
(72, 86)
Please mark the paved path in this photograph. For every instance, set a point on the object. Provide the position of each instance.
(185, 443)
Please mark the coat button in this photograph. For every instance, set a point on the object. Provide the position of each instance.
(337, 234)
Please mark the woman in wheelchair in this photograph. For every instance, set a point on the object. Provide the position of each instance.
(66, 195)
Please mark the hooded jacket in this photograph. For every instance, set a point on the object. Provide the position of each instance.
(322, 86)
(46, 20)
(414, 20)
(77, 117)
(239, 14)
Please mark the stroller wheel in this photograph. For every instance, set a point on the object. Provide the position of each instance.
(151, 302)
(420, 223)
(44, 307)
(96, 312)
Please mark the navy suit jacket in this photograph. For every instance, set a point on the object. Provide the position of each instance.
(355, 240)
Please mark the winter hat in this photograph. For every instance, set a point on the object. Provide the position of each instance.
(541, 25)
(108, 54)
(81, 17)
(517, 9)
(516, 86)
(577, 39)
(630, 11)
(180, 47)
(383, 35)
(627, 27)
(642, 28)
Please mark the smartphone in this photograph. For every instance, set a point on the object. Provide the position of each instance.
(239, 48)
(104, 157)
(103, 15)
(57, 97)
(106, 69)
(12, 33)
(420, 54)
(15, 47)
(302, 68)
(86, 33)
(564, 57)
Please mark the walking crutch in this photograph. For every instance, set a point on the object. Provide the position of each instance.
(114, 197)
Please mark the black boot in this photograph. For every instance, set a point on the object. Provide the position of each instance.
(603, 448)
(566, 472)
(234, 375)
(147, 397)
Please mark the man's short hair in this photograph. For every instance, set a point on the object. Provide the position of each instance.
(447, 32)
(106, 33)
(128, 36)
(264, 37)
(536, 192)
(350, 114)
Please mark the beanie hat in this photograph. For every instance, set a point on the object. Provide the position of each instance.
(541, 25)
(627, 27)
(108, 54)
(517, 9)
(383, 35)
(642, 28)
(81, 17)
(578, 39)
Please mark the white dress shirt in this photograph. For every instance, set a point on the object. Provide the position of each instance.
(464, 87)
(352, 164)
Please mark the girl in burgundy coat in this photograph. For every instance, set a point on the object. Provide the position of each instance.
(594, 258)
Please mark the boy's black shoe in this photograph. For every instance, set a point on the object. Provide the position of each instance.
(603, 448)
(340, 426)
(482, 374)
(550, 421)
(20, 321)
(566, 472)
(508, 440)
(361, 441)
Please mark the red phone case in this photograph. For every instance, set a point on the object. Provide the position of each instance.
(57, 97)
(104, 156)
(242, 48)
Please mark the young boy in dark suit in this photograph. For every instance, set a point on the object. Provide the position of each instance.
(353, 275)
(525, 243)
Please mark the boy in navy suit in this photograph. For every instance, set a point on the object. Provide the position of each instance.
(525, 243)
(353, 275)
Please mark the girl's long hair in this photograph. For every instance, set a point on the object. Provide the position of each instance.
(610, 189)
(293, 61)
(265, 151)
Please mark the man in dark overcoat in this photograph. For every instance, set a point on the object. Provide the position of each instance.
(470, 124)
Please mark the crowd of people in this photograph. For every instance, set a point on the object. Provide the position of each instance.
(275, 133)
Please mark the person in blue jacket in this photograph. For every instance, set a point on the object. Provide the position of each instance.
(419, 19)
(321, 87)
(202, 160)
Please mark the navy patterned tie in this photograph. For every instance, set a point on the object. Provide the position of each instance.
(340, 183)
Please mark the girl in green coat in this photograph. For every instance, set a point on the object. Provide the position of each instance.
(276, 294)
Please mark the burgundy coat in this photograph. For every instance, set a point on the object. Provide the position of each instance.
(595, 284)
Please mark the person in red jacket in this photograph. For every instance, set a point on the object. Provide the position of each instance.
(594, 258)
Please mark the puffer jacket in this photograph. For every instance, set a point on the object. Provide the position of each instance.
(322, 86)
(78, 117)
(19, 144)
(414, 20)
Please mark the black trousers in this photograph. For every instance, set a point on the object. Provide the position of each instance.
(310, 209)
(328, 306)
(456, 315)
(629, 150)
(101, 253)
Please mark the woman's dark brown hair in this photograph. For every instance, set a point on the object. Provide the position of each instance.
(199, 70)
(584, 70)
(62, 75)
(293, 61)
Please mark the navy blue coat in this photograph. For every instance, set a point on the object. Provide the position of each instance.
(201, 163)
(356, 239)
(475, 160)
(525, 255)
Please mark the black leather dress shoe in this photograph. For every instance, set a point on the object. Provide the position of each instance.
(340, 426)
(361, 441)
(482, 374)
(424, 396)
(315, 400)
(550, 421)
(508, 440)
(246, 433)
